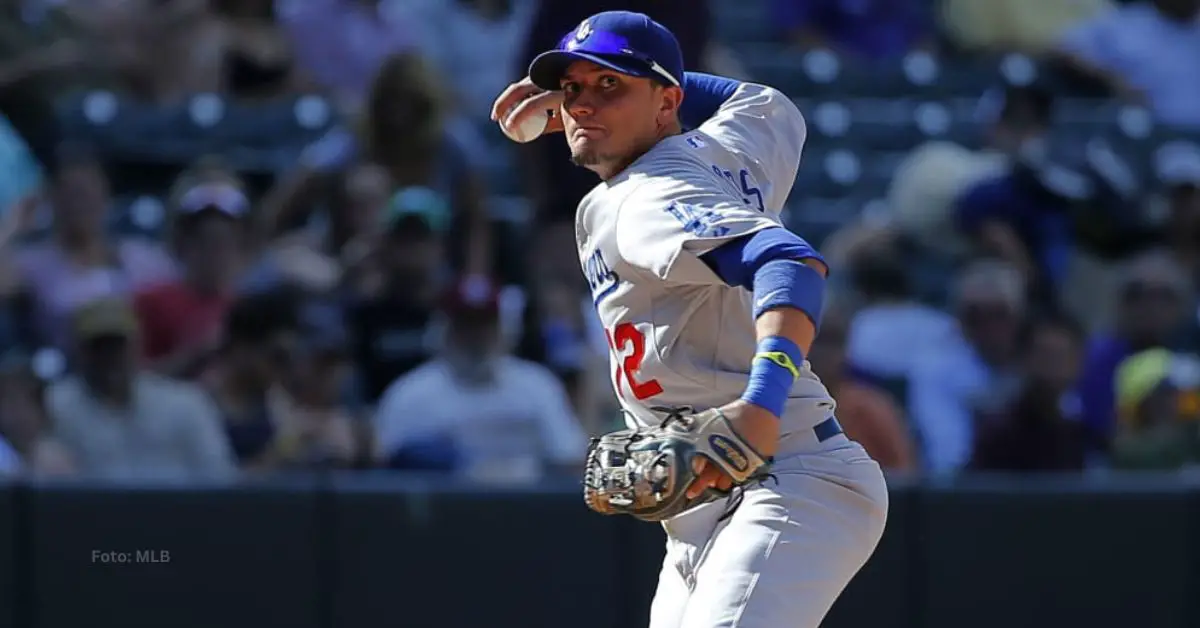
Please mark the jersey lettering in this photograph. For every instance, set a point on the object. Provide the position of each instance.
(742, 186)
(629, 346)
(749, 190)
(696, 221)
(600, 276)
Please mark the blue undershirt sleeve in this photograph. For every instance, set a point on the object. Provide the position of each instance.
(703, 96)
(737, 261)
(770, 263)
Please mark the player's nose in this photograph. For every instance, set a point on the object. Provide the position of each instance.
(581, 105)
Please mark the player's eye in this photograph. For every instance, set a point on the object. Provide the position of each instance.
(570, 87)
(608, 81)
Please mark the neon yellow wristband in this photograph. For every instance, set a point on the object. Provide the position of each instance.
(780, 358)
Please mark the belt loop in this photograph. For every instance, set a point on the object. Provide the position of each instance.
(827, 429)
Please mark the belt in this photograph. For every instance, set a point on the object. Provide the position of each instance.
(824, 431)
(827, 429)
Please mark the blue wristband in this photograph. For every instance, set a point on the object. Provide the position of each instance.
(775, 368)
(789, 283)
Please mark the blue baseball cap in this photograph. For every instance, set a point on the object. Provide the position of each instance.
(630, 43)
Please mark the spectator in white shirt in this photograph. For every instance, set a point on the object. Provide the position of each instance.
(970, 379)
(1145, 52)
(892, 328)
(475, 410)
(121, 423)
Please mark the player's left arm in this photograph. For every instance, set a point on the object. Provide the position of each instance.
(787, 278)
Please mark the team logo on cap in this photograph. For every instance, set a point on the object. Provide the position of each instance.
(584, 31)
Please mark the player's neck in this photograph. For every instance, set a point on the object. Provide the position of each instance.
(617, 166)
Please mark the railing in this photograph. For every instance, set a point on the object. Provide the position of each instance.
(370, 551)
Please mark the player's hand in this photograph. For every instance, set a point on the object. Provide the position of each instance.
(756, 426)
(523, 99)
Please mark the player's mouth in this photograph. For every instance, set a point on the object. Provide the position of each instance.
(589, 132)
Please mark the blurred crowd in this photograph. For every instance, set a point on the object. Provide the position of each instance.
(251, 236)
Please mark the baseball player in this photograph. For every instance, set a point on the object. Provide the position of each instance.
(709, 303)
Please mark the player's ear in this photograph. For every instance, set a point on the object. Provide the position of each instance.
(672, 97)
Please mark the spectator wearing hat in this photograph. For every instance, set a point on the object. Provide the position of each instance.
(181, 318)
(1158, 411)
(475, 409)
(1154, 297)
(395, 297)
(121, 423)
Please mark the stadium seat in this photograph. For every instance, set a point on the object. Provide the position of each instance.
(815, 218)
(1179, 154)
(882, 167)
(148, 144)
(888, 124)
(883, 123)
(294, 121)
(142, 215)
(972, 76)
(1085, 112)
(831, 173)
(821, 73)
(743, 21)
(119, 127)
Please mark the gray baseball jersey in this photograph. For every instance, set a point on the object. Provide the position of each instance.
(679, 336)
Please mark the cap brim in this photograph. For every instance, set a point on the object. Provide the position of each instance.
(188, 215)
(406, 222)
(1181, 176)
(548, 68)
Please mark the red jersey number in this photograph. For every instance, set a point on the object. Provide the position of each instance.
(629, 346)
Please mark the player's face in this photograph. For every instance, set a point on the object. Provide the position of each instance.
(610, 118)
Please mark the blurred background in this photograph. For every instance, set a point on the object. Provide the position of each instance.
(278, 299)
